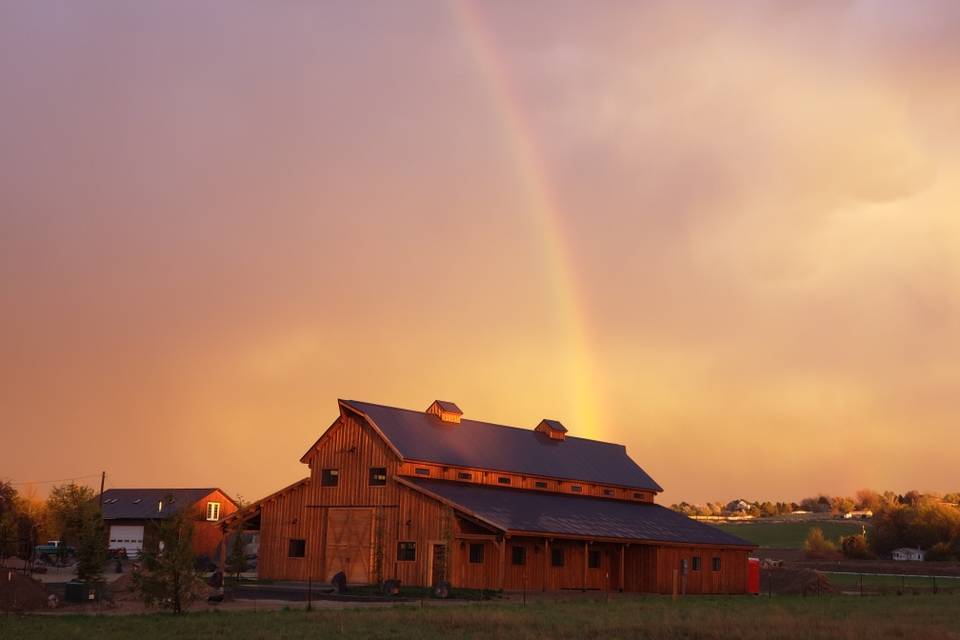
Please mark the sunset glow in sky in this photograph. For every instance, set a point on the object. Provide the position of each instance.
(724, 234)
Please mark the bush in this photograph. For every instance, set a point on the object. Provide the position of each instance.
(856, 547)
(817, 546)
(941, 551)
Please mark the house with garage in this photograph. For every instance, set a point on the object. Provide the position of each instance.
(430, 496)
(129, 512)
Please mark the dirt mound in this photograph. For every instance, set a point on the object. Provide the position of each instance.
(121, 589)
(795, 582)
(22, 593)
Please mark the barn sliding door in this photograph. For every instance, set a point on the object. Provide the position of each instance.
(349, 532)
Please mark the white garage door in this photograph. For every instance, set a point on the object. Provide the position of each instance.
(127, 537)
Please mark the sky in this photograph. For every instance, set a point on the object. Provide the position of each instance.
(726, 235)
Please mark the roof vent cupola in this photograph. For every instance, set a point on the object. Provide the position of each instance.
(446, 411)
(553, 429)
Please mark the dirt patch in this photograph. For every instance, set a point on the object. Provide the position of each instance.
(795, 582)
(22, 593)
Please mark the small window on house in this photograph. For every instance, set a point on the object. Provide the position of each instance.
(476, 553)
(540, 484)
(638, 496)
(716, 564)
(378, 476)
(608, 492)
(160, 505)
(422, 471)
(556, 557)
(576, 488)
(463, 475)
(518, 555)
(297, 548)
(695, 563)
(503, 480)
(329, 477)
(213, 511)
(593, 559)
(407, 551)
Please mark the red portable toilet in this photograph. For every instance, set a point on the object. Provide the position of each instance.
(753, 576)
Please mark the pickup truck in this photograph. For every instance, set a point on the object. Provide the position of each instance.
(53, 549)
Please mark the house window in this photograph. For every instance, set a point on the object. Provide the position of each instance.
(638, 496)
(716, 564)
(213, 511)
(576, 488)
(463, 475)
(407, 551)
(297, 548)
(593, 559)
(695, 563)
(608, 492)
(378, 476)
(518, 556)
(476, 553)
(503, 480)
(540, 484)
(556, 557)
(422, 471)
(329, 477)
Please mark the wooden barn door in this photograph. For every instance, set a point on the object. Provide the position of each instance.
(349, 532)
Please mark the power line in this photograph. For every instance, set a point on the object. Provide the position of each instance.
(23, 482)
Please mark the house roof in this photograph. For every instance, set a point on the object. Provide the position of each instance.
(448, 406)
(526, 511)
(421, 436)
(142, 504)
(555, 425)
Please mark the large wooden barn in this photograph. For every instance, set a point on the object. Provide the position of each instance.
(425, 496)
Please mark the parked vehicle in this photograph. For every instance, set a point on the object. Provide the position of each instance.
(54, 552)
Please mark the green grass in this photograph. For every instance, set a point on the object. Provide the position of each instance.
(789, 535)
(850, 581)
(656, 618)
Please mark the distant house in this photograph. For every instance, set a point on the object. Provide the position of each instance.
(907, 553)
(128, 512)
(862, 514)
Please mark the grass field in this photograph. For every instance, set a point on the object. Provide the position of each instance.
(851, 581)
(789, 535)
(708, 618)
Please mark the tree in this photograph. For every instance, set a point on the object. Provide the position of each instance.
(868, 499)
(817, 546)
(68, 507)
(92, 548)
(168, 576)
(237, 559)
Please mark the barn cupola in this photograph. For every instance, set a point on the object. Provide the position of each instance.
(446, 411)
(553, 429)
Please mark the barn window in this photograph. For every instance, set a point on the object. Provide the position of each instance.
(716, 563)
(422, 471)
(556, 557)
(608, 492)
(540, 484)
(213, 511)
(503, 480)
(329, 477)
(576, 488)
(378, 476)
(593, 559)
(518, 555)
(297, 548)
(638, 496)
(476, 553)
(407, 551)
(463, 475)
(695, 563)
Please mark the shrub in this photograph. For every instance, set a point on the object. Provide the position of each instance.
(941, 551)
(856, 547)
(817, 546)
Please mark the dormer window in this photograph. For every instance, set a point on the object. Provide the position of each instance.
(553, 429)
(446, 411)
(213, 511)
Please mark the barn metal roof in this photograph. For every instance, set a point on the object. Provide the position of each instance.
(519, 510)
(471, 443)
(142, 504)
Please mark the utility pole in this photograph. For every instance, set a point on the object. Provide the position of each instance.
(103, 479)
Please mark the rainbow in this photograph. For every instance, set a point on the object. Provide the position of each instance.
(546, 213)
